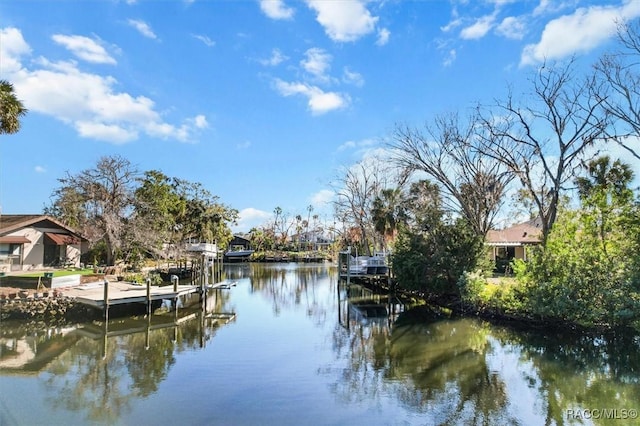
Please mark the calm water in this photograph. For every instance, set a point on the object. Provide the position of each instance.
(286, 346)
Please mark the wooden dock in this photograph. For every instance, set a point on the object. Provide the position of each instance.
(108, 293)
(120, 292)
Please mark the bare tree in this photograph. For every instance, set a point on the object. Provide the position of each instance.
(356, 191)
(544, 140)
(471, 183)
(105, 193)
(616, 85)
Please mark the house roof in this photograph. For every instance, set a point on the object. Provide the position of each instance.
(529, 232)
(13, 222)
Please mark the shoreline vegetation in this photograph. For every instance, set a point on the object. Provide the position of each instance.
(491, 299)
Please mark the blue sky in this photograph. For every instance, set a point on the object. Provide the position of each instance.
(261, 101)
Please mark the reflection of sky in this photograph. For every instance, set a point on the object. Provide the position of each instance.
(521, 381)
(298, 365)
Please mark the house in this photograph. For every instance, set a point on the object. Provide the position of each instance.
(36, 241)
(511, 243)
(311, 240)
(239, 243)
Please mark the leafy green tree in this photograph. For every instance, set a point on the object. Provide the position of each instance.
(587, 272)
(11, 109)
(202, 217)
(432, 251)
(605, 194)
(157, 207)
(131, 215)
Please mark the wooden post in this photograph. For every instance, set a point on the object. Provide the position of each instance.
(175, 279)
(203, 276)
(106, 300)
(149, 296)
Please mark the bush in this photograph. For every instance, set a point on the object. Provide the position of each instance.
(140, 278)
(472, 287)
(433, 261)
(577, 278)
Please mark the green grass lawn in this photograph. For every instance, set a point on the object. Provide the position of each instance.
(61, 273)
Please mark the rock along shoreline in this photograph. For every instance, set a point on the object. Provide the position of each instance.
(44, 309)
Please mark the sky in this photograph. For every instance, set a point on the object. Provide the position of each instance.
(262, 102)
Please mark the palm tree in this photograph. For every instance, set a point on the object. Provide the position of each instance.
(11, 109)
(388, 210)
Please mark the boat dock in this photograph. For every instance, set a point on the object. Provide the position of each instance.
(102, 295)
(119, 292)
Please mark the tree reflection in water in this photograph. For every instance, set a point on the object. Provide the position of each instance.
(105, 380)
(436, 369)
(290, 285)
(466, 371)
(429, 370)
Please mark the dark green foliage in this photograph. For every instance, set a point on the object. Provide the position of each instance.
(588, 272)
(11, 109)
(433, 261)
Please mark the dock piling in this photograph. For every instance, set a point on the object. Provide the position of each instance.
(106, 300)
(149, 296)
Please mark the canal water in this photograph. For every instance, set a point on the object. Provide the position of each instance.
(286, 344)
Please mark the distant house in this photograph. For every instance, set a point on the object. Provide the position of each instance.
(239, 243)
(37, 241)
(510, 243)
(312, 240)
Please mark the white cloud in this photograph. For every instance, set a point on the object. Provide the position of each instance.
(383, 37)
(343, 20)
(552, 6)
(143, 28)
(450, 58)
(352, 77)
(451, 25)
(113, 133)
(319, 101)
(361, 146)
(276, 58)
(579, 32)
(317, 62)
(512, 28)
(321, 198)
(12, 48)
(84, 48)
(479, 29)
(39, 169)
(206, 40)
(200, 121)
(276, 9)
(251, 218)
(87, 102)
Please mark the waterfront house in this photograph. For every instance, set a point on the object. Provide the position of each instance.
(37, 241)
(239, 243)
(311, 240)
(512, 242)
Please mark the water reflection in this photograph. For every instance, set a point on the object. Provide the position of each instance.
(101, 369)
(310, 346)
(466, 371)
(287, 285)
